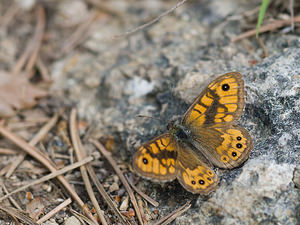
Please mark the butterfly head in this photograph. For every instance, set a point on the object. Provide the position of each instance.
(174, 123)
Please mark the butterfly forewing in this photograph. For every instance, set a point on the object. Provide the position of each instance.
(221, 102)
(156, 159)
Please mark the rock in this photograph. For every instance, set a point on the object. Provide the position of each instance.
(124, 204)
(27, 4)
(72, 221)
(71, 13)
(113, 187)
(262, 190)
(296, 177)
(50, 222)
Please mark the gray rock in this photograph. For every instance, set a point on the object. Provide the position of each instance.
(262, 191)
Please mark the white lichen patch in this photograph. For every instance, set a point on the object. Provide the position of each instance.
(138, 87)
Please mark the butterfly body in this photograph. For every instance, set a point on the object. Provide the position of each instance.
(206, 135)
(178, 130)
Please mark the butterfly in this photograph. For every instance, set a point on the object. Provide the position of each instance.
(206, 136)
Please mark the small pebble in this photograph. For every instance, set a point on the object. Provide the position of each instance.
(47, 187)
(50, 222)
(124, 204)
(113, 187)
(72, 221)
(26, 4)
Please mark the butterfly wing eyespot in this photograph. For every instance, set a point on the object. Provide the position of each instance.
(193, 174)
(156, 159)
(196, 180)
(229, 146)
(221, 102)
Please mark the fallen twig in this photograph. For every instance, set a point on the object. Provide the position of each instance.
(35, 153)
(173, 215)
(43, 70)
(268, 27)
(143, 195)
(40, 29)
(80, 34)
(18, 214)
(4, 170)
(39, 136)
(33, 45)
(151, 22)
(25, 124)
(107, 155)
(7, 151)
(263, 46)
(80, 153)
(105, 196)
(82, 218)
(51, 176)
(10, 198)
(141, 206)
(54, 211)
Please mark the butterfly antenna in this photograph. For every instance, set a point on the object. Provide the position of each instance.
(149, 117)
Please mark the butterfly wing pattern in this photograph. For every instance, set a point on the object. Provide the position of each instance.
(214, 138)
(212, 121)
(193, 173)
(157, 158)
(164, 159)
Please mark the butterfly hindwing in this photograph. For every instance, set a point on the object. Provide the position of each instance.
(193, 174)
(225, 147)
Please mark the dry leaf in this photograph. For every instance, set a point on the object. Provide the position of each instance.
(35, 208)
(16, 92)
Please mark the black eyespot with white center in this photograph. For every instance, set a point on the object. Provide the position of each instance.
(145, 161)
(193, 182)
(239, 145)
(225, 87)
(238, 138)
(234, 154)
(201, 182)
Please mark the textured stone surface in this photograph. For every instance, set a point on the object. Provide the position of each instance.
(262, 191)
